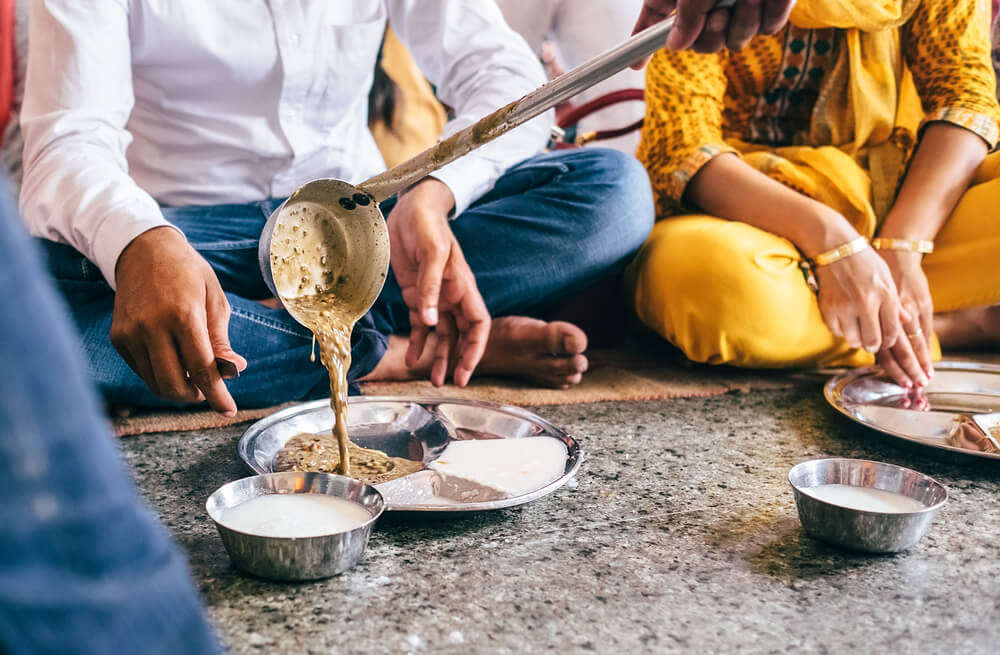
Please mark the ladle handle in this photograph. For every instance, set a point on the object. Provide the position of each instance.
(521, 111)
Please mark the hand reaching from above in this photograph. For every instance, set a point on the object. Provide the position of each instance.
(704, 27)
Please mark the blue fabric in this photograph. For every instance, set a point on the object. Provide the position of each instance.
(553, 225)
(84, 566)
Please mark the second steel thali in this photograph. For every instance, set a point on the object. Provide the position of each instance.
(959, 411)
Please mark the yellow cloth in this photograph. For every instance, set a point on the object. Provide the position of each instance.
(419, 118)
(726, 292)
(701, 105)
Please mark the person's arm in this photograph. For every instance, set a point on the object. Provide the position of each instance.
(939, 174)
(78, 97)
(857, 296)
(947, 49)
(682, 130)
(478, 64)
(170, 317)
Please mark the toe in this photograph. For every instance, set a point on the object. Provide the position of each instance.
(565, 339)
(564, 366)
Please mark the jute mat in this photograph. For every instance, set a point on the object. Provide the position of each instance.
(614, 375)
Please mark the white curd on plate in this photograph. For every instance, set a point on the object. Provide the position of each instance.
(490, 469)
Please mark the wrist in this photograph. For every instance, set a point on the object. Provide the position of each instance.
(822, 230)
(431, 194)
(149, 243)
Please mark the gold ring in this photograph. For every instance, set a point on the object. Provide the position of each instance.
(916, 333)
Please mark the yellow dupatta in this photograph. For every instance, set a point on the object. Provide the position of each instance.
(865, 121)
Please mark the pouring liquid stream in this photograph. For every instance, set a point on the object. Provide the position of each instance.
(307, 255)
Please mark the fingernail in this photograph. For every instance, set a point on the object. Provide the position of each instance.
(431, 316)
(872, 349)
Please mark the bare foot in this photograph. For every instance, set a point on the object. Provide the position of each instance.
(548, 354)
(966, 328)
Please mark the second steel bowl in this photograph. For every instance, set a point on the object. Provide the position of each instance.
(873, 532)
(300, 559)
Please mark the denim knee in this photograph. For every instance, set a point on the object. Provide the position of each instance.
(621, 199)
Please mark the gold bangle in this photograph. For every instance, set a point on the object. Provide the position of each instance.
(917, 245)
(840, 252)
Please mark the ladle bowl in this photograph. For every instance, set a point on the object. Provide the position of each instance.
(353, 264)
(349, 259)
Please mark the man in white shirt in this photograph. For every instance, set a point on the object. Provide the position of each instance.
(160, 134)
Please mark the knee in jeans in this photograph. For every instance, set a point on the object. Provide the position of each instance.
(623, 199)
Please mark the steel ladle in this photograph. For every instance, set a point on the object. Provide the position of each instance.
(354, 254)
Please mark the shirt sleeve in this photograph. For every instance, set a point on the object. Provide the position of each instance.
(685, 96)
(478, 65)
(947, 48)
(78, 97)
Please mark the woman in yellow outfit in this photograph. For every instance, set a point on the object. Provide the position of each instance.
(824, 194)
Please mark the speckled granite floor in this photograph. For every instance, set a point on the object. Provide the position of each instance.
(680, 536)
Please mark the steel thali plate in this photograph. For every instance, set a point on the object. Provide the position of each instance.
(414, 428)
(959, 411)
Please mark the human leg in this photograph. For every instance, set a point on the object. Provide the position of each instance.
(725, 292)
(276, 346)
(553, 226)
(84, 567)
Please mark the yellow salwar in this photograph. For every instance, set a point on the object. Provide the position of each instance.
(728, 293)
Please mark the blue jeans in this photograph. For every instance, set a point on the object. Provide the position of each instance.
(553, 225)
(84, 565)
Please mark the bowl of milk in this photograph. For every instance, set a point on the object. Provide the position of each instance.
(295, 526)
(865, 505)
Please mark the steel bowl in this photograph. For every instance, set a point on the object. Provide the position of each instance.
(291, 560)
(872, 532)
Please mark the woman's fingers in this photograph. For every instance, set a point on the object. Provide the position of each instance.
(919, 341)
(907, 360)
(888, 362)
(870, 327)
(851, 330)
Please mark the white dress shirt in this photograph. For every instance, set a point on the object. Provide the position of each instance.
(581, 29)
(133, 104)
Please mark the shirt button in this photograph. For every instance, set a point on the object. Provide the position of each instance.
(295, 39)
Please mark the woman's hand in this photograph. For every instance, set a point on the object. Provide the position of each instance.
(918, 318)
(859, 302)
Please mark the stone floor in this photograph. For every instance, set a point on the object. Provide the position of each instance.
(680, 535)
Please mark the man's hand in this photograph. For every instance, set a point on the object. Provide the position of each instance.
(171, 320)
(705, 28)
(437, 283)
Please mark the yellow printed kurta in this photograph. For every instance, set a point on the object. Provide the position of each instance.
(726, 292)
